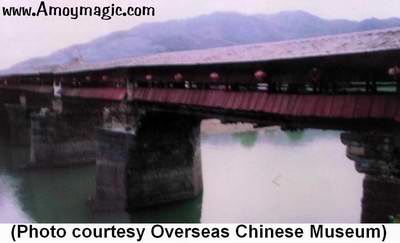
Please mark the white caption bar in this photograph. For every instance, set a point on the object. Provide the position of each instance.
(232, 233)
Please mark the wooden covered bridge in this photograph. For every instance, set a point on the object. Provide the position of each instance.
(348, 81)
(346, 76)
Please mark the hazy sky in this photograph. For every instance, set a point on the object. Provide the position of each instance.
(26, 37)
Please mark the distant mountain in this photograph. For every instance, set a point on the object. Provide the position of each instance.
(215, 30)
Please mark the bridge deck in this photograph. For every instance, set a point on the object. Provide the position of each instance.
(318, 106)
(352, 106)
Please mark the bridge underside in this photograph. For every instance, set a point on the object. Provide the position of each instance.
(260, 119)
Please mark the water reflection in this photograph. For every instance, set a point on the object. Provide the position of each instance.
(179, 212)
(10, 208)
(247, 139)
(266, 176)
(295, 136)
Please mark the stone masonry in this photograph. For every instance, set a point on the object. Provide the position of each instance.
(158, 162)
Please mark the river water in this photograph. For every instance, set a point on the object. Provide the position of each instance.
(262, 176)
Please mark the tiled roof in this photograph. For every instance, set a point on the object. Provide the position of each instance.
(353, 43)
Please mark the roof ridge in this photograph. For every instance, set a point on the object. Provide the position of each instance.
(291, 41)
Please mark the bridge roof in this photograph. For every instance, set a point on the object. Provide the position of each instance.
(334, 45)
(325, 46)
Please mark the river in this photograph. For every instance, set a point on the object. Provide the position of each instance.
(260, 176)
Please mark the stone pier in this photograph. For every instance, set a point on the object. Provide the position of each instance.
(3, 119)
(114, 150)
(19, 124)
(381, 199)
(157, 162)
(4, 125)
(377, 154)
(63, 138)
(15, 110)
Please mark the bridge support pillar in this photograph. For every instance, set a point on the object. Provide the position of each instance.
(156, 163)
(60, 139)
(114, 150)
(15, 112)
(19, 124)
(4, 125)
(377, 154)
(381, 199)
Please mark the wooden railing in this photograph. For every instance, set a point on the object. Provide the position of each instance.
(384, 87)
